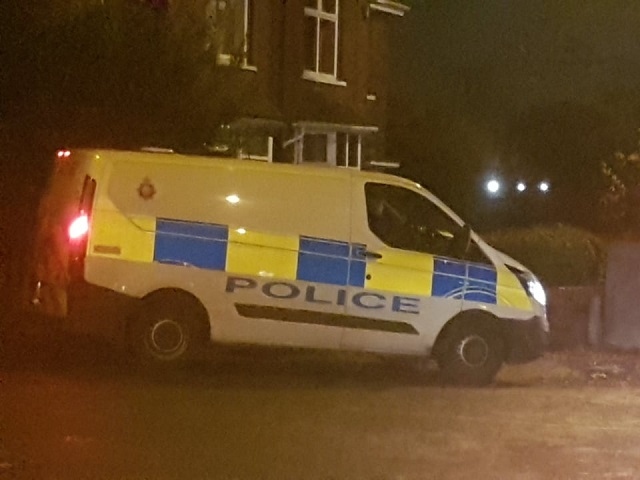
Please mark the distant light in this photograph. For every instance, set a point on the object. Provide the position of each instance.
(543, 187)
(521, 186)
(233, 199)
(63, 154)
(493, 186)
(241, 231)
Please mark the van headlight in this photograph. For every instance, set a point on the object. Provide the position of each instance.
(536, 290)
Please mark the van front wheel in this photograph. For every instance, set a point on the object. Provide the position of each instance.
(471, 354)
(169, 329)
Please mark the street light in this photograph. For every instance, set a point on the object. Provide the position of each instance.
(493, 186)
(521, 186)
(544, 187)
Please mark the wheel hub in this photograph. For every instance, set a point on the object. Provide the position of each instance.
(473, 351)
(167, 337)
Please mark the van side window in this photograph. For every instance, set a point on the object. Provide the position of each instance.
(404, 219)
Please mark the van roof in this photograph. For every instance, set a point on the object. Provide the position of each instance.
(169, 157)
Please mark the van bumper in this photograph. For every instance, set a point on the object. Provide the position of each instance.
(526, 339)
(99, 311)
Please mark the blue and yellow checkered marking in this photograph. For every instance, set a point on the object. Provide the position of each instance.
(461, 280)
(318, 260)
(448, 278)
(312, 259)
(198, 244)
(332, 262)
(481, 284)
(216, 247)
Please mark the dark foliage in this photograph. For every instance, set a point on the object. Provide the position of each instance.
(560, 255)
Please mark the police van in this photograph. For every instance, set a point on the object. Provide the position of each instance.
(168, 252)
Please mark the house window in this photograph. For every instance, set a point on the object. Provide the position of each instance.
(231, 24)
(321, 41)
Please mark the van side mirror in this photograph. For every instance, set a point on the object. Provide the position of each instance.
(461, 241)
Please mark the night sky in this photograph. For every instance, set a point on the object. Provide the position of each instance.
(537, 88)
(524, 52)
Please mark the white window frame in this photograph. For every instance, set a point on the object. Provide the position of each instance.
(331, 131)
(245, 35)
(349, 138)
(319, 14)
(389, 6)
(268, 158)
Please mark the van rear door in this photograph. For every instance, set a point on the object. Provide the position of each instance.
(63, 229)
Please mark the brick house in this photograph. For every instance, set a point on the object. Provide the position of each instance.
(309, 77)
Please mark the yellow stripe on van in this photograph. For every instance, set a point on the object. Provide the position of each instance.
(261, 254)
(116, 236)
(510, 292)
(401, 272)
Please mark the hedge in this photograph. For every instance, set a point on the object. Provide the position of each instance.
(559, 255)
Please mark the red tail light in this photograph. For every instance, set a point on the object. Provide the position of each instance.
(79, 227)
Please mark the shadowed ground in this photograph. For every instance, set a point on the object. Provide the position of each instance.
(71, 408)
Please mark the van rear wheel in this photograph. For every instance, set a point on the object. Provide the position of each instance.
(472, 352)
(169, 329)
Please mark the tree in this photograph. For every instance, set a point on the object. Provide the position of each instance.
(116, 73)
(564, 143)
(441, 145)
(620, 197)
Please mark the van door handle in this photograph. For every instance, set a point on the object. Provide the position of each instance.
(369, 254)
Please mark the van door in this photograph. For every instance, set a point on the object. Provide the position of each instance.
(62, 231)
(288, 257)
(413, 283)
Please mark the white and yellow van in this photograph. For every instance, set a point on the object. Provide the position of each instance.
(168, 252)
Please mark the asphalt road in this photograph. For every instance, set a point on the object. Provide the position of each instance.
(74, 409)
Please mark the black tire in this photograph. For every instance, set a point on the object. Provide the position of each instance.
(471, 353)
(169, 329)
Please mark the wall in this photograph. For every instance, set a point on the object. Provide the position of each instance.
(575, 317)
